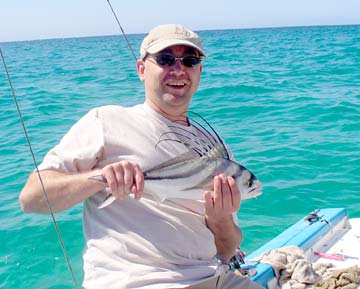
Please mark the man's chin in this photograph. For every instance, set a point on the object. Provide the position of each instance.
(177, 101)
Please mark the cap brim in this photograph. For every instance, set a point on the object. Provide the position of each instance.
(157, 47)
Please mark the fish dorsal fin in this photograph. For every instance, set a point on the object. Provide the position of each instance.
(189, 155)
(212, 134)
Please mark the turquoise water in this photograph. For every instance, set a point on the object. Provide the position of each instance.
(286, 100)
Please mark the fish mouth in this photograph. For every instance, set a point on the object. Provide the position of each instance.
(256, 190)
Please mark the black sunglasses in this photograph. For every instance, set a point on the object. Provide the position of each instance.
(170, 60)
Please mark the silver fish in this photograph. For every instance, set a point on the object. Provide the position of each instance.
(188, 175)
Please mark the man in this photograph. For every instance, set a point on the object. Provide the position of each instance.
(138, 242)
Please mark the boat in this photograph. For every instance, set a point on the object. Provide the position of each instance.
(325, 236)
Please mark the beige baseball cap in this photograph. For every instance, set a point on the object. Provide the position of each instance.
(167, 35)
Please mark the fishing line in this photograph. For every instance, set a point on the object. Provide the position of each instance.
(122, 30)
(33, 154)
(38, 172)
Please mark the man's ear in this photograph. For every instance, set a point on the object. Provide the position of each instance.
(141, 69)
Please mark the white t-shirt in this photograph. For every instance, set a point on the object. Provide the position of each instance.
(130, 243)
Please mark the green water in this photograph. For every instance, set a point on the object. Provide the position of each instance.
(287, 101)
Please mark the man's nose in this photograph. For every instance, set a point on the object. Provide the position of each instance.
(178, 67)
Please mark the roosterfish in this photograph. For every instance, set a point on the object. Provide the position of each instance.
(189, 175)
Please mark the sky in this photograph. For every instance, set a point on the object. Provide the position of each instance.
(42, 19)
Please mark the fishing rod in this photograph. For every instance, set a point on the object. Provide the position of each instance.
(122, 30)
(38, 171)
(51, 211)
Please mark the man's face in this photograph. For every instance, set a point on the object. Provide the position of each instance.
(169, 89)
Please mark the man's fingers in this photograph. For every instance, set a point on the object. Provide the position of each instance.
(226, 196)
(138, 182)
(128, 177)
(123, 178)
(109, 175)
(218, 193)
(209, 202)
(227, 203)
(235, 193)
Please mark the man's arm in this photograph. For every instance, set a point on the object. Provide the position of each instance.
(66, 190)
(63, 191)
(220, 206)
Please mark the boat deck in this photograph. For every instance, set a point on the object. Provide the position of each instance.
(327, 231)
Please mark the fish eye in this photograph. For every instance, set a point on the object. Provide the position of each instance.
(249, 183)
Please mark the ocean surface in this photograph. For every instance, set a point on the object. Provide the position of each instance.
(286, 100)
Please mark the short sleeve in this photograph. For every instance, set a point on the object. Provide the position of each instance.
(81, 147)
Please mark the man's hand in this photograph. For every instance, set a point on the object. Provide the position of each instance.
(225, 199)
(123, 178)
(219, 207)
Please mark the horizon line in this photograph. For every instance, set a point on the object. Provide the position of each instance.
(196, 30)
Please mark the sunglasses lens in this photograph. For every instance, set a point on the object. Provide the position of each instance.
(165, 60)
(170, 60)
(190, 61)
